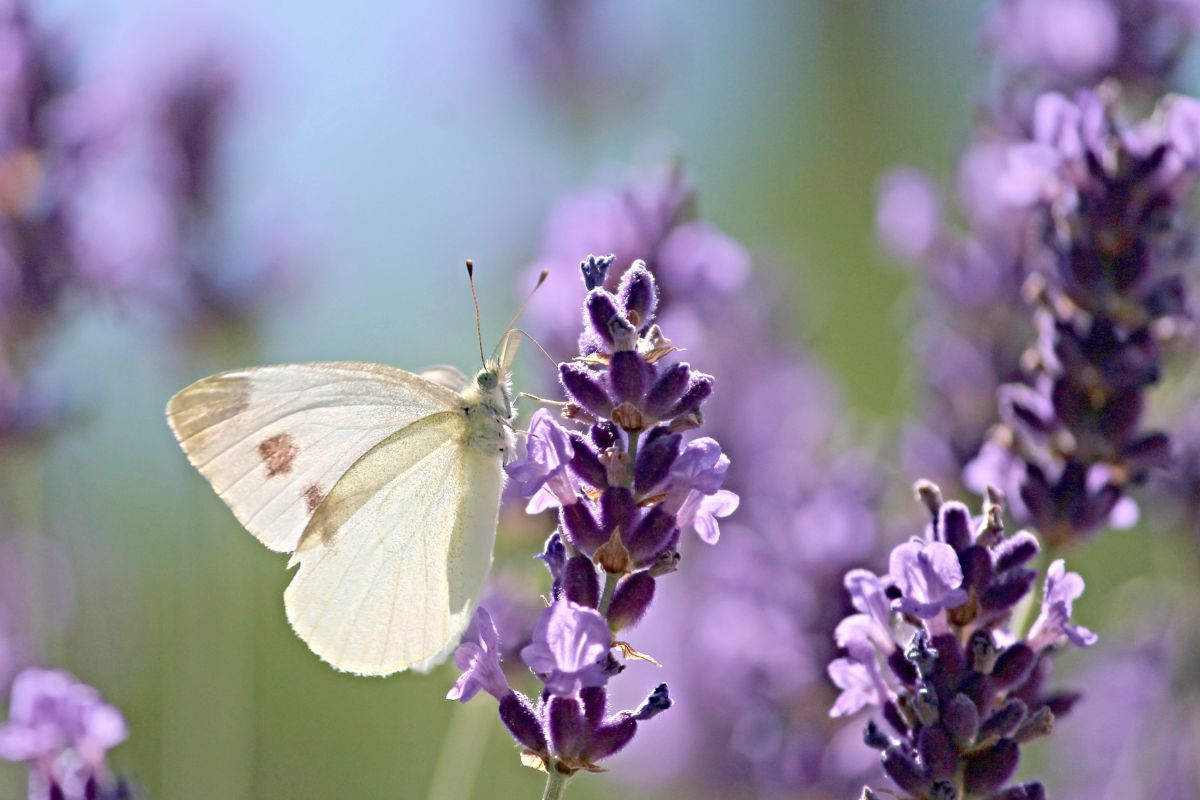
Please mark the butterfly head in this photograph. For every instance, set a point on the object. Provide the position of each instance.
(493, 387)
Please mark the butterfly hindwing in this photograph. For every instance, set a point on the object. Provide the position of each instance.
(394, 559)
(274, 441)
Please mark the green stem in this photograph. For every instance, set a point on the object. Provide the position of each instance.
(610, 586)
(556, 783)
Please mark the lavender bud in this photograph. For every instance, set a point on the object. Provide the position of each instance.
(929, 495)
(580, 582)
(1017, 551)
(581, 528)
(638, 294)
(954, 526)
(1061, 703)
(1040, 723)
(981, 691)
(630, 600)
(668, 389)
(1004, 720)
(522, 722)
(581, 384)
(905, 771)
(654, 462)
(608, 739)
(961, 719)
(1007, 591)
(657, 702)
(595, 705)
(937, 751)
(991, 769)
(1013, 666)
(595, 270)
(617, 508)
(977, 570)
(650, 536)
(629, 376)
(700, 387)
(952, 663)
(568, 727)
(600, 309)
(586, 464)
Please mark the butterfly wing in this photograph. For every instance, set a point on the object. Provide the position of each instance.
(393, 562)
(273, 441)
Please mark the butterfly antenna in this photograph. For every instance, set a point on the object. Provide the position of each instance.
(475, 300)
(509, 327)
(536, 344)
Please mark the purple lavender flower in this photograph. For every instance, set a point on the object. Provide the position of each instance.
(569, 648)
(927, 576)
(479, 658)
(1053, 622)
(625, 484)
(760, 607)
(1110, 195)
(958, 690)
(63, 730)
(543, 474)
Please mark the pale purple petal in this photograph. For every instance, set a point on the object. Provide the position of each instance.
(568, 648)
(479, 658)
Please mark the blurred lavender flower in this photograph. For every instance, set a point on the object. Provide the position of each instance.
(147, 224)
(1064, 45)
(559, 44)
(63, 730)
(625, 485)
(36, 184)
(932, 648)
(1110, 195)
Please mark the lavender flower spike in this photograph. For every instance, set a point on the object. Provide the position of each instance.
(569, 648)
(1053, 623)
(479, 658)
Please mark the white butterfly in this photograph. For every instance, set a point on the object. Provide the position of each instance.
(382, 484)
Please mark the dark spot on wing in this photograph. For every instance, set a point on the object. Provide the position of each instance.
(313, 497)
(278, 453)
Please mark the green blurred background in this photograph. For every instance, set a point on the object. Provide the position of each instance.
(411, 139)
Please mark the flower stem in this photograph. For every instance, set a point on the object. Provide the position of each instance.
(610, 586)
(556, 783)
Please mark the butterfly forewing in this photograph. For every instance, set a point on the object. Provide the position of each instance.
(393, 561)
(274, 441)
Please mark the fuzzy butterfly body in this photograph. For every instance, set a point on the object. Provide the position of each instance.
(384, 486)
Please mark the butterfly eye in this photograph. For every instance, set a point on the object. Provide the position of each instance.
(487, 380)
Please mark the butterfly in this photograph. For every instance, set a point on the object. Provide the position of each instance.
(384, 485)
